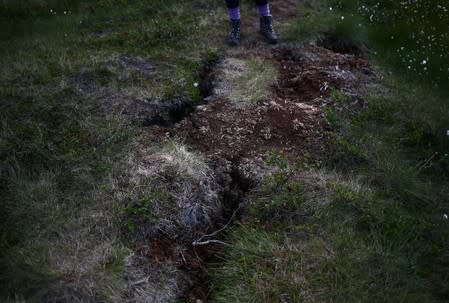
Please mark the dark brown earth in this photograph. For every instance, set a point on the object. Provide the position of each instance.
(293, 120)
(189, 258)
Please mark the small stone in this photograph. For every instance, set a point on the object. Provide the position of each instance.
(266, 133)
(297, 124)
(204, 129)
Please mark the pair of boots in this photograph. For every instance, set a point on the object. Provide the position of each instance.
(266, 29)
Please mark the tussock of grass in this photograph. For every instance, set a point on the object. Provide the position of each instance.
(151, 282)
(186, 163)
(245, 80)
(181, 196)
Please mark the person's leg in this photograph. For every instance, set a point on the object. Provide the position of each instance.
(263, 7)
(234, 18)
(266, 21)
(232, 3)
(233, 9)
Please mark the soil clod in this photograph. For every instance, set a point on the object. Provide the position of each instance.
(339, 45)
(158, 112)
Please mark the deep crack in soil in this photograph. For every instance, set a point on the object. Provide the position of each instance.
(237, 137)
(192, 253)
(166, 113)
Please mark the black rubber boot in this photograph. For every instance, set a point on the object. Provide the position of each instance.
(266, 29)
(233, 38)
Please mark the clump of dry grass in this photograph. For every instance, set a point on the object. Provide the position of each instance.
(245, 80)
(170, 192)
(185, 193)
(150, 282)
(88, 257)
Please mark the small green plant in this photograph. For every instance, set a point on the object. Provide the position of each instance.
(277, 158)
(339, 97)
(142, 210)
(278, 201)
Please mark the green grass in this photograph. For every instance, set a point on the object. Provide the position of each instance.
(269, 267)
(367, 227)
(333, 241)
(62, 154)
(315, 20)
(406, 160)
(373, 229)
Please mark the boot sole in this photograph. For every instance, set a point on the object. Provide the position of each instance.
(232, 43)
(270, 41)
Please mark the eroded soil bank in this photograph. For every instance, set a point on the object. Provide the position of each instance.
(258, 100)
(237, 137)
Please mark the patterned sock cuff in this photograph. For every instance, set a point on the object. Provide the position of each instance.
(234, 13)
(264, 10)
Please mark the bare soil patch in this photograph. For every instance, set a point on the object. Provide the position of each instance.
(291, 120)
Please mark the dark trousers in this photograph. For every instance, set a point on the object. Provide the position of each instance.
(236, 3)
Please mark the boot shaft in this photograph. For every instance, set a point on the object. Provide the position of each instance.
(234, 35)
(266, 23)
(266, 29)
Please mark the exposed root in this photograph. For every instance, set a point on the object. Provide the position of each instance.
(203, 241)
